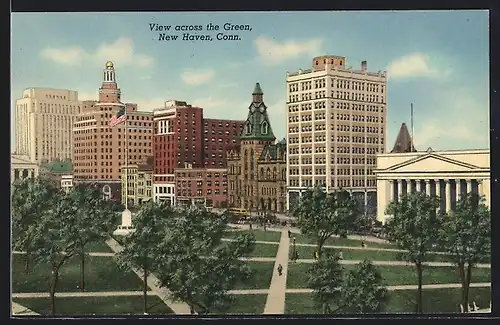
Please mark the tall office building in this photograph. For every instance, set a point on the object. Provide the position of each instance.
(99, 151)
(44, 118)
(336, 124)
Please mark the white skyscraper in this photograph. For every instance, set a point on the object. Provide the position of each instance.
(336, 124)
(43, 122)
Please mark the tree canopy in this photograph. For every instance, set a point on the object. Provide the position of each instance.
(323, 215)
(363, 290)
(325, 277)
(196, 265)
(466, 236)
(414, 225)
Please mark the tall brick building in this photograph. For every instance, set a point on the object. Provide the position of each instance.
(99, 151)
(183, 139)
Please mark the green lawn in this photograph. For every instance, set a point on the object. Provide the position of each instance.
(261, 277)
(101, 274)
(402, 301)
(394, 275)
(99, 247)
(264, 250)
(245, 304)
(260, 235)
(337, 241)
(355, 254)
(120, 305)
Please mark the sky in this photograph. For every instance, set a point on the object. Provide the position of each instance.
(437, 60)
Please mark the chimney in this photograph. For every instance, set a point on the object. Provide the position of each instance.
(363, 66)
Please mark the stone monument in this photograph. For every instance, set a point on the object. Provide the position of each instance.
(126, 227)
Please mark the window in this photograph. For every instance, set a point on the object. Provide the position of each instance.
(248, 128)
(264, 128)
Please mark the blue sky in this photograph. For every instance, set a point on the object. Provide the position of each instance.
(437, 60)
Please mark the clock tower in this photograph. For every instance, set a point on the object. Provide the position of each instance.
(256, 135)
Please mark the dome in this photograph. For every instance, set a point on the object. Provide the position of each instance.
(109, 64)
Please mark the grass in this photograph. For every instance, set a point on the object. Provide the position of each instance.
(355, 254)
(99, 247)
(120, 305)
(245, 304)
(262, 273)
(401, 301)
(337, 241)
(394, 275)
(264, 250)
(260, 235)
(101, 274)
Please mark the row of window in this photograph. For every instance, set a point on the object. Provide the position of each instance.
(342, 183)
(337, 95)
(338, 83)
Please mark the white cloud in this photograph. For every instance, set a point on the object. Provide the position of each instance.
(414, 65)
(460, 121)
(273, 52)
(197, 77)
(121, 52)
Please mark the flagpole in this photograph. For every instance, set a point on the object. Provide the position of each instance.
(126, 159)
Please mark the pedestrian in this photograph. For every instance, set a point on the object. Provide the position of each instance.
(289, 233)
(314, 255)
(250, 226)
(363, 245)
(280, 269)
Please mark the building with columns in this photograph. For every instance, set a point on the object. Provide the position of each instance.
(22, 167)
(447, 174)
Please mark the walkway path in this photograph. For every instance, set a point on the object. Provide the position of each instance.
(394, 263)
(20, 310)
(81, 294)
(412, 287)
(90, 254)
(275, 303)
(180, 308)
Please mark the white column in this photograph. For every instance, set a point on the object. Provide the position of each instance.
(400, 187)
(29, 173)
(12, 175)
(428, 186)
(448, 194)
(391, 187)
(439, 192)
(418, 185)
(480, 187)
(409, 190)
(469, 186)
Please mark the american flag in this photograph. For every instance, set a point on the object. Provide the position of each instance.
(119, 118)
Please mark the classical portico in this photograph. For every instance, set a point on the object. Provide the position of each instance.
(446, 174)
(21, 167)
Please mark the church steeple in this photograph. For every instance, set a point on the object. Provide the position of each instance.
(403, 141)
(258, 95)
(257, 125)
(109, 91)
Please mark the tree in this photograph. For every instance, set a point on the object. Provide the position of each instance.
(414, 227)
(196, 265)
(31, 198)
(325, 278)
(141, 245)
(466, 236)
(362, 291)
(323, 215)
(95, 217)
(55, 238)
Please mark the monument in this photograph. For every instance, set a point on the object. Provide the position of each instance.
(126, 227)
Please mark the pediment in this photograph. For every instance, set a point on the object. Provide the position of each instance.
(432, 163)
(20, 160)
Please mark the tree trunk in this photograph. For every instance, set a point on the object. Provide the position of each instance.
(461, 272)
(191, 308)
(419, 293)
(53, 287)
(468, 278)
(82, 272)
(145, 287)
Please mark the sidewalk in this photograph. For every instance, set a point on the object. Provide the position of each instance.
(395, 263)
(179, 308)
(275, 303)
(20, 310)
